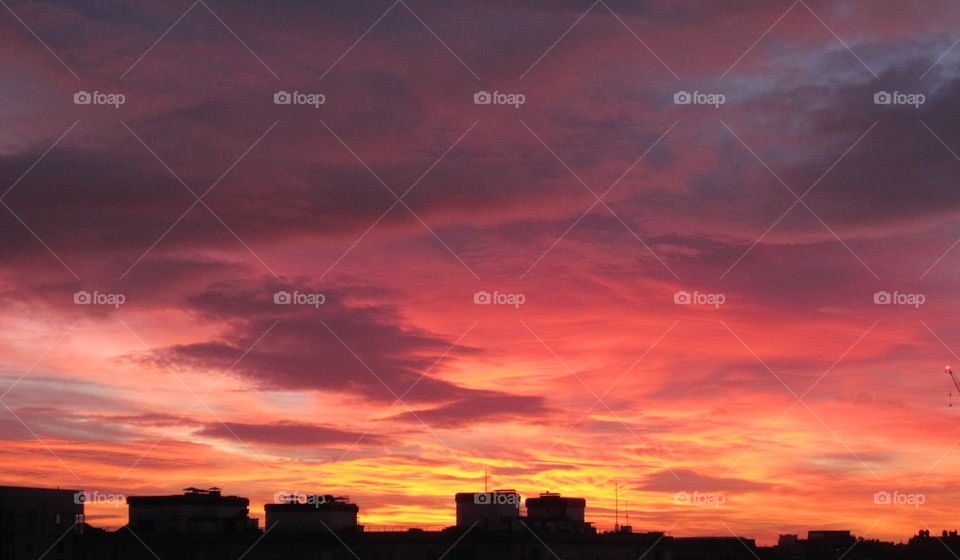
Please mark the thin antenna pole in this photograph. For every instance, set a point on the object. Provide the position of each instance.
(616, 505)
(484, 481)
(949, 371)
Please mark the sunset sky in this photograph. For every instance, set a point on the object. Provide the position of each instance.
(782, 392)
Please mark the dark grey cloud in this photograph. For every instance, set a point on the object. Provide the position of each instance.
(356, 343)
(684, 480)
(290, 433)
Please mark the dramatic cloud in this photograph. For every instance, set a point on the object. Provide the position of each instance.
(291, 434)
(348, 341)
(686, 324)
(682, 480)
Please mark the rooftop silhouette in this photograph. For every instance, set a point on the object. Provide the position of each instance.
(205, 523)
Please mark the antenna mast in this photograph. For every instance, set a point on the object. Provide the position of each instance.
(616, 505)
(956, 384)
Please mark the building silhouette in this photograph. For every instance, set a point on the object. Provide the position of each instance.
(557, 514)
(712, 548)
(499, 509)
(207, 525)
(316, 513)
(40, 521)
(195, 511)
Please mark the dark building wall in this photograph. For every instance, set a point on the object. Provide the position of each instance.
(714, 548)
(555, 507)
(318, 514)
(195, 511)
(488, 510)
(34, 521)
(410, 545)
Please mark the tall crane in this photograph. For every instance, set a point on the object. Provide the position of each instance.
(956, 384)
